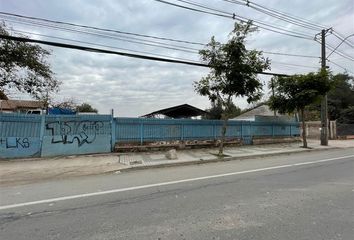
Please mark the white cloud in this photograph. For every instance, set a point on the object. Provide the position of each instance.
(134, 87)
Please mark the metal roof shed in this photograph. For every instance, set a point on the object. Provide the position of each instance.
(180, 111)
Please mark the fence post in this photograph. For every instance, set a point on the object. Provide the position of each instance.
(251, 133)
(113, 131)
(272, 129)
(182, 132)
(214, 130)
(141, 133)
(41, 134)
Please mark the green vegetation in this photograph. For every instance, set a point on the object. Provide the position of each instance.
(233, 72)
(23, 67)
(296, 92)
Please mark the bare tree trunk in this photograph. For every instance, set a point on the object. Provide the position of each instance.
(304, 140)
(223, 133)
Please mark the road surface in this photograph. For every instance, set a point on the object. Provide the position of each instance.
(298, 196)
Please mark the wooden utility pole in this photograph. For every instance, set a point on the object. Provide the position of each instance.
(324, 108)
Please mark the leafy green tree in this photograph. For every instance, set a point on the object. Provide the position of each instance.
(216, 111)
(341, 96)
(296, 92)
(23, 66)
(347, 116)
(233, 72)
(85, 107)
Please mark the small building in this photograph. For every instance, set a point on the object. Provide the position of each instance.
(20, 105)
(180, 111)
(263, 113)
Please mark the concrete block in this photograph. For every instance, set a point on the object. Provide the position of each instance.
(171, 154)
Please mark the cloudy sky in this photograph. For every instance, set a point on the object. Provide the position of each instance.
(133, 87)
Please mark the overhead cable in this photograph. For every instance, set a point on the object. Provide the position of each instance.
(98, 50)
(233, 16)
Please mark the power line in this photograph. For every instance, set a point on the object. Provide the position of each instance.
(102, 29)
(126, 49)
(288, 15)
(331, 48)
(291, 55)
(340, 37)
(96, 44)
(292, 64)
(277, 14)
(49, 24)
(98, 50)
(336, 64)
(120, 38)
(294, 20)
(233, 16)
(339, 45)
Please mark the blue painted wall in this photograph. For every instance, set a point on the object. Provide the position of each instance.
(79, 134)
(40, 135)
(55, 135)
(19, 135)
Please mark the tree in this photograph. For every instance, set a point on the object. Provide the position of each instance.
(296, 92)
(233, 72)
(23, 66)
(347, 116)
(68, 103)
(216, 111)
(3, 96)
(85, 107)
(341, 96)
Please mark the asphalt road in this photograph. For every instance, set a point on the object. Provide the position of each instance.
(297, 196)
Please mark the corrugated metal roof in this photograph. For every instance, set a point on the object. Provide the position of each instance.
(180, 111)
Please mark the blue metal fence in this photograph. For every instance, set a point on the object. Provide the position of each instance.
(24, 135)
(148, 130)
(40, 135)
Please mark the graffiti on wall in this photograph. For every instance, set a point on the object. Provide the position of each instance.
(74, 131)
(15, 142)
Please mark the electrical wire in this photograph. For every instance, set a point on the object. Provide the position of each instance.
(98, 50)
(275, 14)
(240, 17)
(292, 64)
(233, 16)
(121, 38)
(331, 48)
(280, 15)
(339, 45)
(340, 37)
(49, 24)
(336, 64)
(96, 44)
(101, 29)
(76, 30)
(291, 55)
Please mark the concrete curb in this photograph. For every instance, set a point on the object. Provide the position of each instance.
(226, 159)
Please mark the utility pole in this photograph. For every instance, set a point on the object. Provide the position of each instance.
(273, 93)
(324, 108)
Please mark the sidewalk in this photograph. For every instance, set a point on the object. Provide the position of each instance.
(30, 170)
